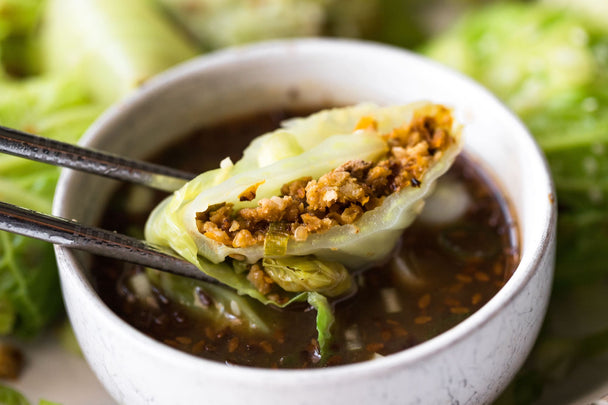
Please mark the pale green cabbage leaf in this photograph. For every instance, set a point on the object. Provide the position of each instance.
(9, 396)
(19, 21)
(551, 67)
(184, 291)
(110, 46)
(324, 145)
(306, 273)
(56, 107)
(221, 23)
(596, 11)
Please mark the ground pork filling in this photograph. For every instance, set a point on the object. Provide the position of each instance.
(341, 196)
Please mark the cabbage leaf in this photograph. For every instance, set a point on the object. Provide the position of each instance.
(29, 286)
(19, 20)
(306, 273)
(217, 24)
(596, 11)
(9, 396)
(251, 317)
(110, 46)
(551, 67)
(324, 144)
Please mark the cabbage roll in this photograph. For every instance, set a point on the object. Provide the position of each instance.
(312, 201)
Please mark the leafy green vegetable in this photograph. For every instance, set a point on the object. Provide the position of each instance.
(9, 396)
(217, 24)
(526, 54)
(20, 56)
(583, 262)
(53, 106)
(325, 319)
(7, 316)
(596, 11)
(573, 132)
(223, 23)
(19, 20)
(19, 17)
(225, 305)
(29, 286)
(110, 46)
(220, 311)
(551, 67)
(409, 23)
(307, 273)
(352, 18)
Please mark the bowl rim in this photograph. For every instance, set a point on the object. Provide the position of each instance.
(70, 267)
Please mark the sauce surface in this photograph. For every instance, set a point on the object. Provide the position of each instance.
(439, 274)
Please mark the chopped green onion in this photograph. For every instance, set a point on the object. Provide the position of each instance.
(275, 243)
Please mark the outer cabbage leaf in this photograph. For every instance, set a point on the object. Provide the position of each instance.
(184, 291)
(111, 46)
(525, 54)
(572, 130)
(230, 22)
(324, 147)
(9, 396)
(19, 20)
(551, 67)
(222, 308)
(596, 11)
(19, 17)
(222, 23)
(29, 286)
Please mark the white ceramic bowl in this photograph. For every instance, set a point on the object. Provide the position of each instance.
(469, 364)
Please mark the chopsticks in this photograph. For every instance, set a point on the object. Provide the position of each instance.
(94, 240)
(64, 232)
(32, 147)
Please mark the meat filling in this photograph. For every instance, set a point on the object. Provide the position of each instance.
(341, 196)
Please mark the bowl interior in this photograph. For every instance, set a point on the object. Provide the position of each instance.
(310, 73)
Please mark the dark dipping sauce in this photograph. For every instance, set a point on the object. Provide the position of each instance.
(438, 276)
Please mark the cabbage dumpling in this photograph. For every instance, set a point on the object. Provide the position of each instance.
(312, 201)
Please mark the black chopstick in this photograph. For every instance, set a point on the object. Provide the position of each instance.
(41, 149)
(71, 234)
